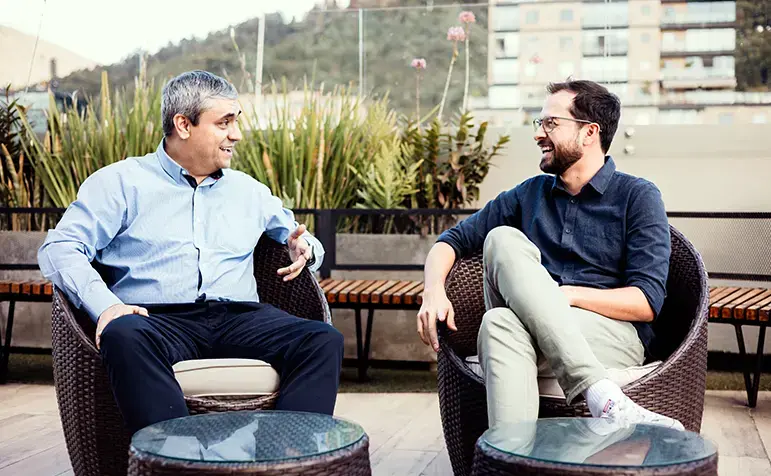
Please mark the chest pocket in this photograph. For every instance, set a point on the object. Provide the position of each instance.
(603, 243)
(236, 233)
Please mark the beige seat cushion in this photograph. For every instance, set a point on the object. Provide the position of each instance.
(231, 377)
(550, 388)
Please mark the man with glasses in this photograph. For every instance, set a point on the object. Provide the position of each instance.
(576, 264)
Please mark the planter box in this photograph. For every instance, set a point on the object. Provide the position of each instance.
(393, 332)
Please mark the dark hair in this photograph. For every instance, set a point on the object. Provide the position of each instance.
(593, 102)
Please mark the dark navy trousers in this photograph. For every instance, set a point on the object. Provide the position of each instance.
(139, 352)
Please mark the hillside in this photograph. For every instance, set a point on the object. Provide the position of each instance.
(324, 46)
(15, 53)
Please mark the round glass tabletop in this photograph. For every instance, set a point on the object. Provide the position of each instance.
(598, 442)
(238, 437)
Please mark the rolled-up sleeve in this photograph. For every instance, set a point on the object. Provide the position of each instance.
(280, 223)
(469, 235)
(648, 245)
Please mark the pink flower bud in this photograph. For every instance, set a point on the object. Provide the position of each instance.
(456, 33)
(467, 17)
(419, 63)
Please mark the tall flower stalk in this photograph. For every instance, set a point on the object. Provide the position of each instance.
(454, 34)
(467, 18)
(419, 64)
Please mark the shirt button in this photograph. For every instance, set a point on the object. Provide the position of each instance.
(572, 200)
(568, 231)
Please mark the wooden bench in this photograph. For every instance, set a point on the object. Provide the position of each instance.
(11, 292)
(744, 306)
(349, 294)
(372, 295)
(734, 305)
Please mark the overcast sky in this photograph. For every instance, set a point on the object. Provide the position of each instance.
(107, 34)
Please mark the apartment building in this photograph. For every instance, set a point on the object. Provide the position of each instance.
(670, 61)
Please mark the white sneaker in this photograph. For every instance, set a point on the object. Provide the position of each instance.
(627, 412)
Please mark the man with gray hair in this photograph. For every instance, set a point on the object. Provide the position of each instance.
(174, 232)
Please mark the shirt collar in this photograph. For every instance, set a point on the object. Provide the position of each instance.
(176, 171)
(601, 179)
(599, 182)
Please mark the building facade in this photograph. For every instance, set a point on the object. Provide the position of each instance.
(670, 61)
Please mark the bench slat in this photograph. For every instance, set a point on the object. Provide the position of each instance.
(390, 295)
(412, 296)
(386, 296)
(353, 295)
(402, 294)
(728, 309)
(343, 295)
(366, 295)
(753, 312)
(332, 293)
(739, 311)
(714, 290)
(328, 285)
(720, 294)
(714, 308)
(763, 313)
(378, 293)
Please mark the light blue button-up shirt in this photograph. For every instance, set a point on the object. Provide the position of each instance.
(161, 239)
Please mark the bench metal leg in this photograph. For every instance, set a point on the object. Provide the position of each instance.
(751, 382)
(5, 350)
(363, 344)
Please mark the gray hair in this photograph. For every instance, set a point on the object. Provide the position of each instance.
(187, 95)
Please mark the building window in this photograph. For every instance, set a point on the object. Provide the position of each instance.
(506, 18)
(646, 10)
(679, 117)
(532, 17)
(566, 15)
(610, 68)
(700, 12)
(566, 43)
(505, 71)
(531, 69)
(503, 97)
(699, 39)
(598, 15)
(566, 69)
(506, 45)
(645, 65)
(599, 42)
(725, 118)
(645, 38)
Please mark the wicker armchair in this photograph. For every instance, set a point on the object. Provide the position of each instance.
(676, 388)
(97, 440)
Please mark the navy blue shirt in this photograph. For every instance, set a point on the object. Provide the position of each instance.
(612, 234)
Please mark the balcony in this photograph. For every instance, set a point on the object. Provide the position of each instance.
(707, 15)
(691, 78)
(702, 98)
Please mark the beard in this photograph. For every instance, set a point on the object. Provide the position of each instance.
(561, 158)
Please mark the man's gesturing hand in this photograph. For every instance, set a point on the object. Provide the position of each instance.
(113, 312)
(299, 251)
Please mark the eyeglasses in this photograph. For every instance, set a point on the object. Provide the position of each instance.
(549, 124)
